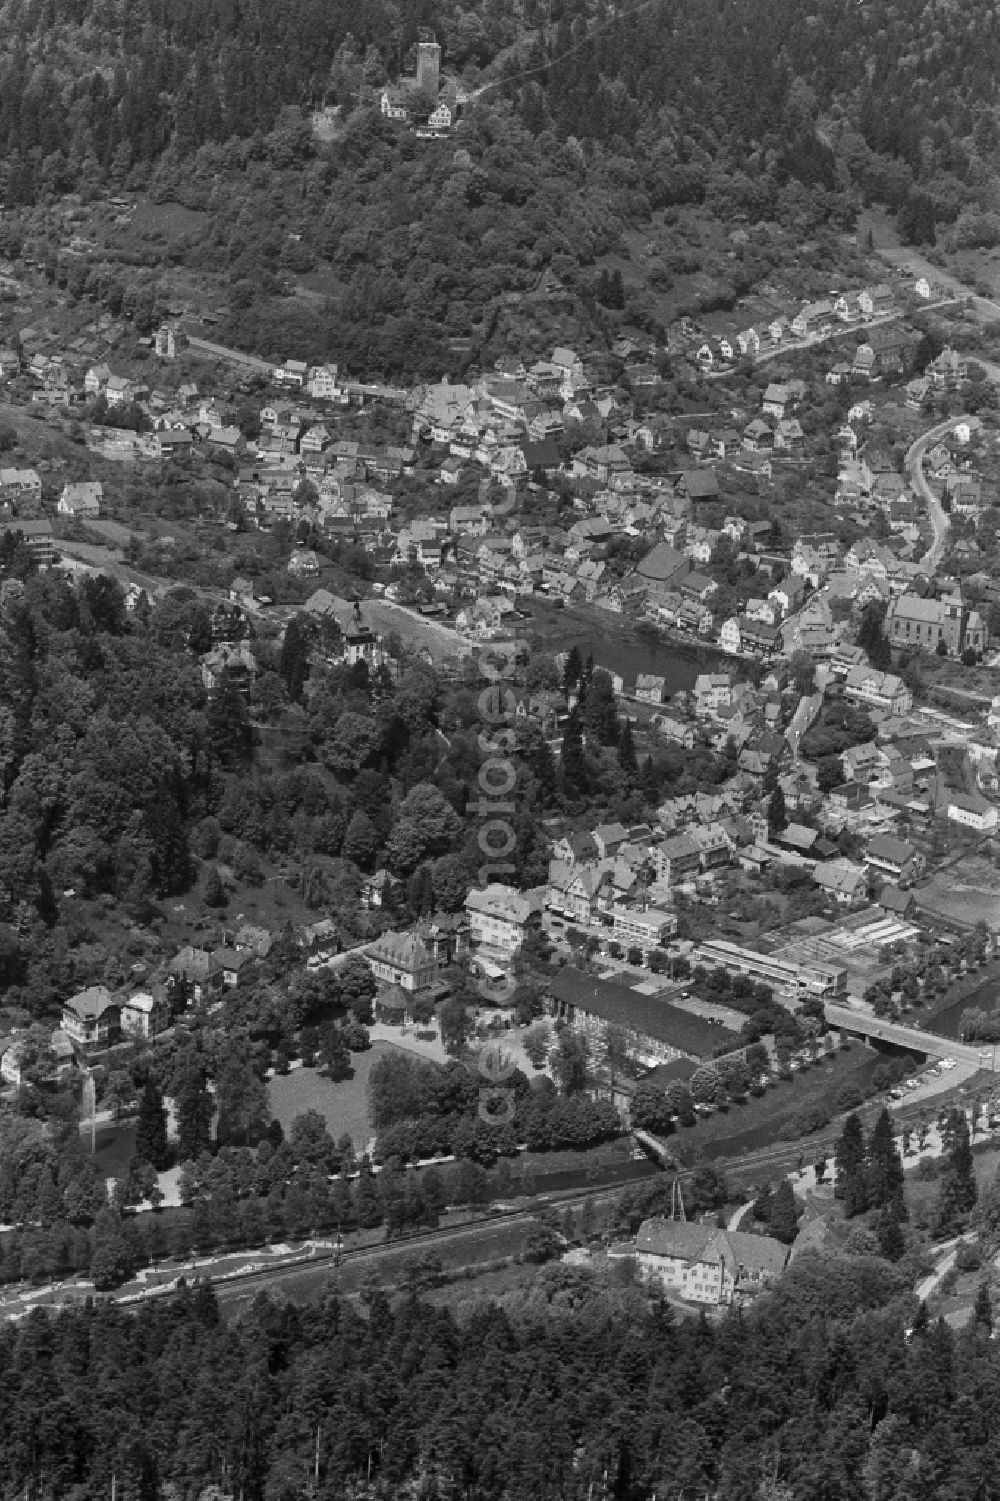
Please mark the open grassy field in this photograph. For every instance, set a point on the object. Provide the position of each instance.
(344, 1105)
(965, 894)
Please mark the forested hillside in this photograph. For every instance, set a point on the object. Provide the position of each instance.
(572, 1392)
(406, 254)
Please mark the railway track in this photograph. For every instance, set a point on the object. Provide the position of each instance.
(242, 1285)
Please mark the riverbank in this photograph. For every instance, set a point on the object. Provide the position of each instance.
(979, 992)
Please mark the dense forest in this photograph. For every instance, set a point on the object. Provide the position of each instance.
(590, 122)
(836, 1387)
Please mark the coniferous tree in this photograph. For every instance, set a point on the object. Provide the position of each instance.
(885, 1166)
(573, 765)
(626, 750)
(982, 1309)
(777, 818)
(151, 1131)
(849, 1184)
(958, 1192)
(294, 660)
(194, 1108)
(573, 669)
(784, 1219)
(889, 1232)
(544, 767)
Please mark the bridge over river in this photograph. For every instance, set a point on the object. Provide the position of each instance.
(879, 1029)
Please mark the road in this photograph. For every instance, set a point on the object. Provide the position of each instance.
(914, 464)
(829, 335)
(942, 1267)
(807, 712)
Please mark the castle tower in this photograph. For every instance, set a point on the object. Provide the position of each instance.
(429, 67)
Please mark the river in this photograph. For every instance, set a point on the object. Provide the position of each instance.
(618, 646)
(985, 998)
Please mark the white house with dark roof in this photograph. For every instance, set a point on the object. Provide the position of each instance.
(402, 959)
(82, 498)
(92, 1018)
(500, 917)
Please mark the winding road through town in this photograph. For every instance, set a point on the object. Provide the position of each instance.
(914, 464)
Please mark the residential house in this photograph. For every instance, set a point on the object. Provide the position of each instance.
(229, 439)
(574, 890)
(318, 439)
(725, 442)
(230, 963)
(848, 308)
(757, 611)
(168, 342)
(322, 384)
(698, 586)
(230, 660)
(812, 318)
(712, 691)
(609, 838)
(541, 454)
(897, 903)
(37, 537)
(861, 763)
(92, 1018)
(863, 367)
(303, 562)
(119, 391)
(171, 443)
(20, 487)
(788, 435)
(777, 400)
(878, 690)
(757, 466)
(198, 969)
(82, 500)
(843, 880)
(758, 437)
(500, 918)
(891, 345)
(762, 639)
(730, 637)
(575, 849)
(676, 859)
(789, 594)
(402, 959)
(258, 940)
(677, 731)
(698, 485)
(972, 813)
(293, 374)
(95, 380)
(895, 858)
(145, 1014)
(660, 570)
